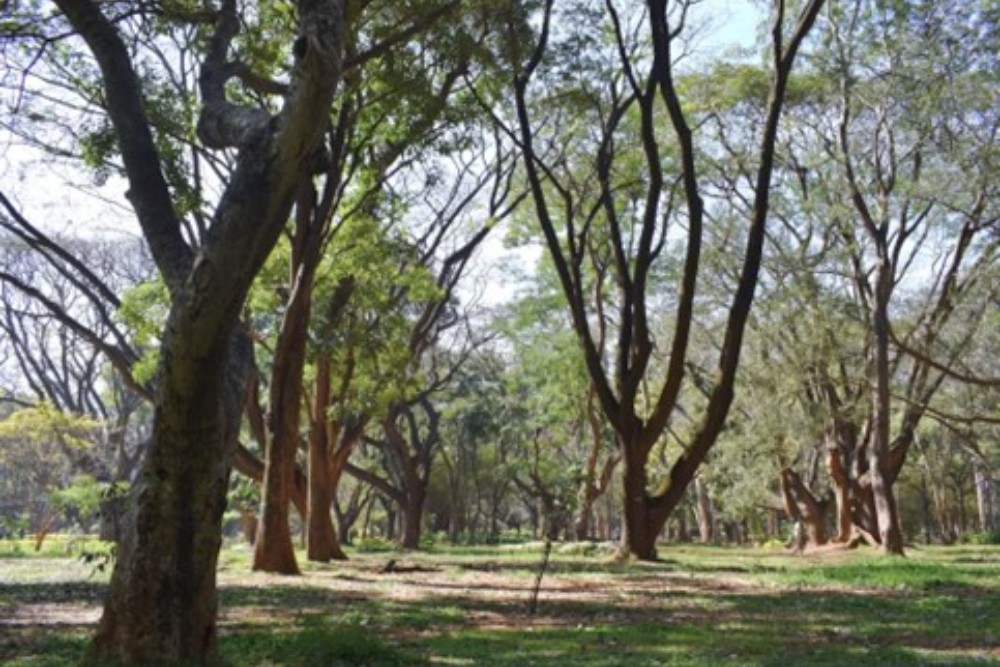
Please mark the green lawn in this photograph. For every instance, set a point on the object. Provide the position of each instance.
(467, 606)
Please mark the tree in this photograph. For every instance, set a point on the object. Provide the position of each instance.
(894, 148)
(38, 449)
(67, 345)
(162, 600)
(585, 181)
(388, 112)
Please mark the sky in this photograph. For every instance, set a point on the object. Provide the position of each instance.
(63, 199)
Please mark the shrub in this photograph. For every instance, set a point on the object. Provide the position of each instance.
(983, 538)
(375, 544)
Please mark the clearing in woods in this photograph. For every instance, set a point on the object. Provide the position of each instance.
(468, 606)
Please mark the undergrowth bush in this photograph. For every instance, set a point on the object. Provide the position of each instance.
(983, 538)
(374, 545)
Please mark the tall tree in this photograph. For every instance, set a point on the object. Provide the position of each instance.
(909, 123)
(584, 178)
(162, 600)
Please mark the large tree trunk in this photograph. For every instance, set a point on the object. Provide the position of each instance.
(639, 534)
(273, 550)
(161, 604)
(886, 514)
(413, 515)
(162, 597)
(321, 538)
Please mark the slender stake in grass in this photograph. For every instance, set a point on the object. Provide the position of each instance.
(533, 602)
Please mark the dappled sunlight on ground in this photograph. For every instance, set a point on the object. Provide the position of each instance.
(712, 604)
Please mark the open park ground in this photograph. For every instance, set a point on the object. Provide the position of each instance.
(469, 606)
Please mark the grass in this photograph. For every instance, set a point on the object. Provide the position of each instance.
(466, 606)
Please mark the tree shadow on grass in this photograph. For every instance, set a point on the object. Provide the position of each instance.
(414, 620)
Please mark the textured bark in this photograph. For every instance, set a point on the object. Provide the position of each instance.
(161, 603)
(887, 517)
(273, 550)
(321, 538)
(640, 530)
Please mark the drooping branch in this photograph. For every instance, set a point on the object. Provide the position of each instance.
(148, 189)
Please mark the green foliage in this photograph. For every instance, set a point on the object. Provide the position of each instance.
(982, 538)
(82, 497)
(44, 424)
(144, 309)
(727, 86)
(244, 494)
(375, 545)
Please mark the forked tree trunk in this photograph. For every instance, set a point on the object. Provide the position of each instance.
(161, 604)
(803, 506)
(347, 438)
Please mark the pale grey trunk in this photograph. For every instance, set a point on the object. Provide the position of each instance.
(984, 499)
(706, 517)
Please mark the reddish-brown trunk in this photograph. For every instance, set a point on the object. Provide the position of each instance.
(803, 506)
(841, 492)
(273, 550)
(321, 539)
(346, 440)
